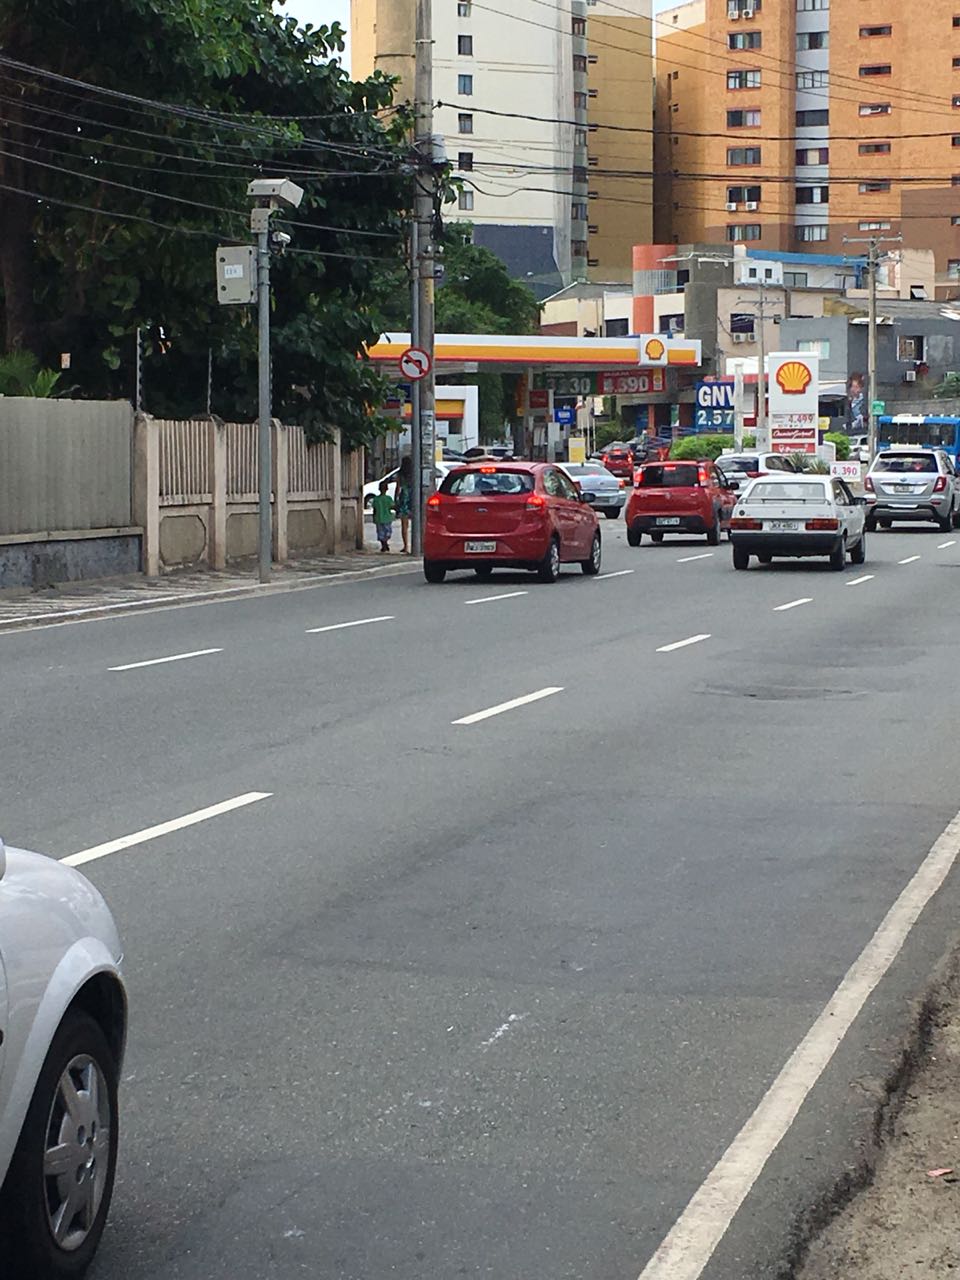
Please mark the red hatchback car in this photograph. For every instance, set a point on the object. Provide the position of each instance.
(679, 497)
(618, 459)
(509, 515)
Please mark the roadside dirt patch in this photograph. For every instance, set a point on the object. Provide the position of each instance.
(906, 1223)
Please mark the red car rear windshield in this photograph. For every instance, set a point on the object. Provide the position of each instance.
(488, 483)
(681, 475)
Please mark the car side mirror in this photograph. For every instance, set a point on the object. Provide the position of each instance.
(586, 497)
(733, 485)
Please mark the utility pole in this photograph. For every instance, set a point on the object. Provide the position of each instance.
(762, 440)
(738, 404)
(261, 227)
(423, 250)
(874, 254)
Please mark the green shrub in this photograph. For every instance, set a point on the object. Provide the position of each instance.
(706, 446)
(842, 442)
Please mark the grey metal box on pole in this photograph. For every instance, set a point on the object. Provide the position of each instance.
(236, 275)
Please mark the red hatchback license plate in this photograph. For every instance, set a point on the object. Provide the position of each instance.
(479, 548)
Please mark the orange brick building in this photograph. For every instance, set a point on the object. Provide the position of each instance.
(790, 125)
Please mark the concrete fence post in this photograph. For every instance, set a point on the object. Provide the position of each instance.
(337, 492)
(146, 490)
(217, 524)
(281, 490)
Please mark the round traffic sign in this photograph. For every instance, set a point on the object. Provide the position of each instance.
(414, 364)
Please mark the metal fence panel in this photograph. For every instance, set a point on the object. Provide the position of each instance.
(184, 461)
(242, 461)
(311, 465)
(64, 465)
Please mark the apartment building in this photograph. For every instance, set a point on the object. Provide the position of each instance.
(795, 126)
(523, 86)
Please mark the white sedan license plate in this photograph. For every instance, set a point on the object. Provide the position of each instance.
(668, 519)
(479, 547)
(782, 526)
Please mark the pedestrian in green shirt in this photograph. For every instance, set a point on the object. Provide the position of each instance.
(383, 511)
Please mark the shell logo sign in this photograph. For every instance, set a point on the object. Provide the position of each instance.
(654, 350)
(793, 377)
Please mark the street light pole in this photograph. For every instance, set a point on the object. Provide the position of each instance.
(422, 241)
(761, 429)
(264, 459)
(874, 254)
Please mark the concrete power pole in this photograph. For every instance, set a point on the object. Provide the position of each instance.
(874, 254)
(762, 435)
(423, 254)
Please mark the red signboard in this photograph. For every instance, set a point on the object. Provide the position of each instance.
(618, 383)
(539, 399)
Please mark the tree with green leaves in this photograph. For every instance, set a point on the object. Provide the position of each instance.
(129, 130)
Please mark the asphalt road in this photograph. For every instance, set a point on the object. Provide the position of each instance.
(492, 998)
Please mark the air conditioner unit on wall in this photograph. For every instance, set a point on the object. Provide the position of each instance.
(732, 206)
(752, 205)
(749, 11)
(742, 337)
(910, 375)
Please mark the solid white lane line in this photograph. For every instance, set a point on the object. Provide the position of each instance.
(508, 706)
(682, 644)
(704, 555)
(855, 582)
(342, 626)
(507, 595)
(502, 1030)
(692, 1240)
(941, 546)
(163, 828)
(909, 560)
(156, 662)
(792, 604)
(620, 573)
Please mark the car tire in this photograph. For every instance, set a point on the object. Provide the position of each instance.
(946, 524)
(657, 537)
(858, 553)
(27, 1238)
(483, 570)
(612, 515)
(885, 524)
(956, 518)
(741, 558)
(549, 568)
(713, 535)
(634, 535)
(838, 556)
(766, 558)
(870, 524)
(433, 572)
(591, 567)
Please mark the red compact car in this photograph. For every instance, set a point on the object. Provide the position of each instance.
(618, 459)
(679, 497)
(509, 515)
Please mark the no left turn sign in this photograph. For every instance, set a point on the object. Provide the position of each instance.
(414, 364)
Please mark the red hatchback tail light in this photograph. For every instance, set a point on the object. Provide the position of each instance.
(940, 484)
(868, 484)
(433, 506)
(744, 522)
(813, 525)
(536, 502)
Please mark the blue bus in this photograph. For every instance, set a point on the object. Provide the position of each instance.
(930, 431)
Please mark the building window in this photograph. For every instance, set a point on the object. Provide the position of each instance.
(795, 279)
(744, 40)
(579, 137)
(956, 64)
(813, 195)
(811, 6)
(812, 155)
(465, 161)
(465, 86)
(910, 348)
(874, 108)
(743, 79)
(867, 33)
(749, 231)
(955, 140)
(742, 322)
(743, 119)
(578, 248)
(811, 79)
(465, 46)
(953, 268)
(815, 347)
(874, 148)
(741, 195)
(743, 155)
(580, 62)
(579, 211)
(870, 188)
(579, 28)
(812, 231)
(463, 8)
(876, 69)
(809, 119)
(955, 220)
(465, 200)
(464, 122)
(955, 100)
(580, 100)
(956, 19)
(873, 226)
(813, 39)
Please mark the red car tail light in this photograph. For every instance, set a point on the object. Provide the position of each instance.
(868, 484)
(488, 471)
(940, 484)
(536, 502)
(744, 522)
(813, 525)
(433, 505)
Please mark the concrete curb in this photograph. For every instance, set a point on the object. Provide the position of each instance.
(216, 595)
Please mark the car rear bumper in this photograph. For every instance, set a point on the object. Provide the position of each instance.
(607, 501)
(687, 524)
(886, 509)
(786, 544)
(512, 552)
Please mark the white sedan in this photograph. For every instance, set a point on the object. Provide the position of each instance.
(799, 515)
(63, 1019)
(371, 490)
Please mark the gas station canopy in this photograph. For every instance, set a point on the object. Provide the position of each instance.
(467, 352)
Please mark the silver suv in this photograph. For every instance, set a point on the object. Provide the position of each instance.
(912, 484)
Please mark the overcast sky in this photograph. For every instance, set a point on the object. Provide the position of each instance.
(321, 13)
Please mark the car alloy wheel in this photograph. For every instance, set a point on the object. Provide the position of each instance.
(858, 554)
(76, 1159)
(713, 536)
(592, 566)
(550, 564)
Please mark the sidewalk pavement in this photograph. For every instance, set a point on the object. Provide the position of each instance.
(76, 601)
